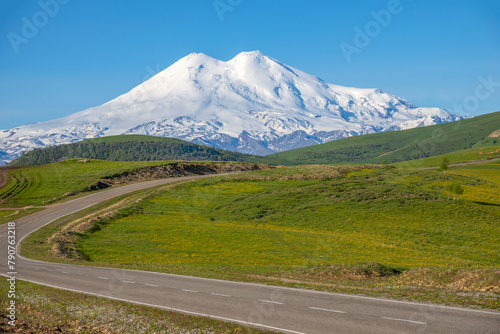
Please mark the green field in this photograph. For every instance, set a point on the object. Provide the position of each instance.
(396, 218)
(403, 145)
(41, 185)
(322, 226)
(462, 156)
(47, 184)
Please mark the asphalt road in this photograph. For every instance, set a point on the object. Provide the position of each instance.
(276, 308)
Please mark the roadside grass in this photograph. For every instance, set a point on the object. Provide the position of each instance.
(11, 215)
(42, 309)
(368, 229)
(471, 154)
(6, 213)
(36, 245)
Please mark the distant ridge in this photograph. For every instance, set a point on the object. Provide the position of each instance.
(131, 148)
(404, 145)
(389, 147)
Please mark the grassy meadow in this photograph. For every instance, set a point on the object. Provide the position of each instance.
(368, 215)
(489, 192)
(45, 184)
(366, 229)
(462, 156)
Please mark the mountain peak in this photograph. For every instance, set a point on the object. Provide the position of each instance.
(251, 54)
(251, 104)
(242, 56)
(197, 54)
(195, 59)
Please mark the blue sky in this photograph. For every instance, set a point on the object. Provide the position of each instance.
(58, 57)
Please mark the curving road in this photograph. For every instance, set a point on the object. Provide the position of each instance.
(276, 308)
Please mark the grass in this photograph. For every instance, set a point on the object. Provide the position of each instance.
(42, 309)
(45, 184)
(401, 145)
(260, 224)
(6, 213)
(488, 194)
(11, 215)
(468, 155)
(361, 229)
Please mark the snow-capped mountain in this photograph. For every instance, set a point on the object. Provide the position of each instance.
(251, 103)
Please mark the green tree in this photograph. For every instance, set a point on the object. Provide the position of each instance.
(455, 189)
(444, 165)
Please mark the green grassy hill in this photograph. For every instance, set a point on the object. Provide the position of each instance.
(133, 148)
(402, 145)
(462, 156)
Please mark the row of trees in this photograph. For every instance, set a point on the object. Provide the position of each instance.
(129, 151)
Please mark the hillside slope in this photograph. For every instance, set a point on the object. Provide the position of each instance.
(480, 131)
(132, 148)
(50, 183)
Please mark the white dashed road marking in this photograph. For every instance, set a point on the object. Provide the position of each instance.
(269, 301)
(325, 309)
(414, 322)
(220, 294)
